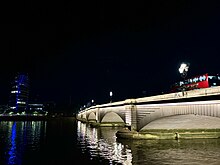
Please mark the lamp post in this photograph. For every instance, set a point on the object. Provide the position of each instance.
(110, 93)
(184, 67)
(92, 102)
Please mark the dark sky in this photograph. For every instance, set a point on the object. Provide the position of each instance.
(81, 50)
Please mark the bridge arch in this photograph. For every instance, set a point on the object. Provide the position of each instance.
(111, 117)
(91, 116)
(191, 121)
(152, 112)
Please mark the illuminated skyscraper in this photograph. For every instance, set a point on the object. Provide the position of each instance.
(19, 93)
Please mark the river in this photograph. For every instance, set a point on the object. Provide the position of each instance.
(67, 141)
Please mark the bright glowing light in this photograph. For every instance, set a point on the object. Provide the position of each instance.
(21, 102)
(183, 68)
(111, 93)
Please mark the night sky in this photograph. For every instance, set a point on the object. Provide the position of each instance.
(76, 51)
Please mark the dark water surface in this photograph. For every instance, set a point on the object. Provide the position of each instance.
(67, 141)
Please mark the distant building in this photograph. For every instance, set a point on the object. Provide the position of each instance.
(19, 94)
(36, 107)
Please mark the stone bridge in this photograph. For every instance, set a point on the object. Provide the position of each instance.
(138, 113)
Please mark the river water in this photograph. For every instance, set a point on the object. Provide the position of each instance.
(67, 141)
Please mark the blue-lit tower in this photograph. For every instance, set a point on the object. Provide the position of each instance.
(19, 93)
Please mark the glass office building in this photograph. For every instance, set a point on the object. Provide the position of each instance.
(19, 94)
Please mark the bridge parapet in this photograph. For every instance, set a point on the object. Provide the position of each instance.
(179, 95)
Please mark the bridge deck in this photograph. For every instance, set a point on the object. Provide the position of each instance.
(170, 96)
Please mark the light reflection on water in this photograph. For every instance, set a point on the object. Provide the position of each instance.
(12, 150)
(103, 143)
(196, 151)
(17, 138)
(69, 141)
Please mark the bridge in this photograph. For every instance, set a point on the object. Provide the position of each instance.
(138, 114)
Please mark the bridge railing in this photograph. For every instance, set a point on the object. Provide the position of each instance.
(169, 96)
(178, 95)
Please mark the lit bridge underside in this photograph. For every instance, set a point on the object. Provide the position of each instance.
(141, 113)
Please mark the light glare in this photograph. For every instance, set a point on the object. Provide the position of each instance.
(183, 67)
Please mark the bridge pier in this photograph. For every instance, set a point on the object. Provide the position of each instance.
(133, 117)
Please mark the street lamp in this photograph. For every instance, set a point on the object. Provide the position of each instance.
(110, 96)
(92, 102)
(184, 67)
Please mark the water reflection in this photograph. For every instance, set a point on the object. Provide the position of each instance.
(19, 139)
(12, 150)
(63, 141)
(101, 142)
(196, 151)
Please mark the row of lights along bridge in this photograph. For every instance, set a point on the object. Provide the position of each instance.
(92, 102)
(184, 67)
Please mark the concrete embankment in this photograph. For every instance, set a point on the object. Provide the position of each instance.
(176, 127)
